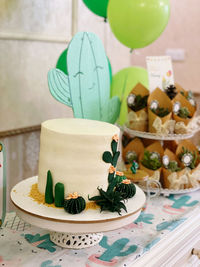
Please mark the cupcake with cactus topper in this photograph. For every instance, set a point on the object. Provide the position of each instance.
(187, 94)
(134, 174)
(150, 160)
(137, 108)
(159, 113)
(132, 151)
(183, 113)
(188, 155)
(171, 171)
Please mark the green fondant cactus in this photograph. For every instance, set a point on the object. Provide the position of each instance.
(116, 249)
(182, 202)
(49, 199)
(59, 195)
(74, 205)
(86, 88)
(127, 190)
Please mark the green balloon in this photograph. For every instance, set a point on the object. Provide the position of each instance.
(123, 82)
(62, 64)
(137, 23)
(99, 7)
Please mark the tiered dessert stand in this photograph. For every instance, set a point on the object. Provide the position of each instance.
(72, 231)
(170, 137)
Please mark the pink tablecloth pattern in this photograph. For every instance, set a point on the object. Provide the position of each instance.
(22, 244)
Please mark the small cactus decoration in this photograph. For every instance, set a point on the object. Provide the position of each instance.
(112, 158)
(59, 195)
(182, 202)
(49, 199)
(134, 167)
(86, 88)
(126, 188)
(74, 203)
(116, 249)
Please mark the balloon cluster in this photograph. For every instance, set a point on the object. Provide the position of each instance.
(135, 23)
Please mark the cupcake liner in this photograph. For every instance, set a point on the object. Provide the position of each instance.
(164, 102)
(139, 176)
(138, 120)
(184, 103)
(135, 145)
(165, 172)
(155, 147)
(188, 145)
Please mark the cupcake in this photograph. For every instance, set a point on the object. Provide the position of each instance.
(183, 113)
(188, 155)
(150, 159)
(171, 166)
(137, 108)
(132, 151)
(159, 113)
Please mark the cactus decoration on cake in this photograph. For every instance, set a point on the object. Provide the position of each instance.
(74, 203)
(59, 195)
(86, 88)
(49, 199)
(126, 188)
(118, 188)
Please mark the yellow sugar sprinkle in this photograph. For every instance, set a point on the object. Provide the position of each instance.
(40, 199)
(91, 205)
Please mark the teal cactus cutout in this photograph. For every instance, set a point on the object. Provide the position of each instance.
(169, 225)
(48, 263)
(134, 167)
(116, 249)
(62, 63)
(45, 241)
(59, 86)
(145, 218)
(182, 202)
(86, 88)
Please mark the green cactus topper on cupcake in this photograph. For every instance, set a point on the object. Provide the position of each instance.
(86, 88)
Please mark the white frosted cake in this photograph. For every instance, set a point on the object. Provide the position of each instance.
(72, 150)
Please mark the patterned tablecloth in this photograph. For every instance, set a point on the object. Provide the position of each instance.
(24, 245)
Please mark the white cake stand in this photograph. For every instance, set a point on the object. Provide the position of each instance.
(72, 231)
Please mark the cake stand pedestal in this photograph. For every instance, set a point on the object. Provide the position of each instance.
(72, 231)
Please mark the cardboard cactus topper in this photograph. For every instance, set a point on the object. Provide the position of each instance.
(86, 87)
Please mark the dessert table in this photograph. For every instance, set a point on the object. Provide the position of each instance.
(165, 232)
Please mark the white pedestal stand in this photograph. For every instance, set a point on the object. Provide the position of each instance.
(72, 231)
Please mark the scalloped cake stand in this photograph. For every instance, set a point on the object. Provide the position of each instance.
(72, 231)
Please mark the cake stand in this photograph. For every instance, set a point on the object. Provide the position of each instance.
(72, 231)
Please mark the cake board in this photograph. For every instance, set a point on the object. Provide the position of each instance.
(72, 231)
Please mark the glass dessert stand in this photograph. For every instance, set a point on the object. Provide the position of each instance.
(72, 231)
(157, 189)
